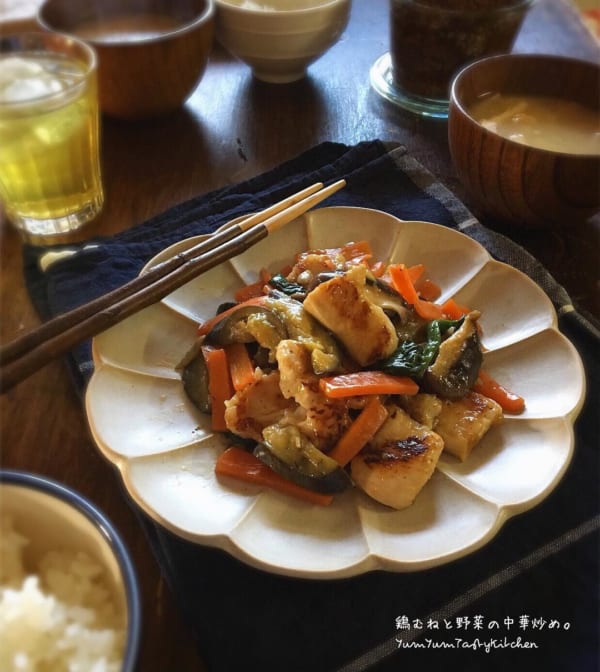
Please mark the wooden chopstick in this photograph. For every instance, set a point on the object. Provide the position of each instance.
(25, 355)
(60, 323)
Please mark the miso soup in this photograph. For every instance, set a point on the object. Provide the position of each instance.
(543, 122)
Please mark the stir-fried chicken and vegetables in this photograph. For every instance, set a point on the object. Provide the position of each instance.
(341, 372)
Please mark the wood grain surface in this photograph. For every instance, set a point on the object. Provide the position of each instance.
(140, 79)
(231, 129)
(530, 187)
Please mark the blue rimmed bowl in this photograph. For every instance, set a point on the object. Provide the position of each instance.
(55, 518)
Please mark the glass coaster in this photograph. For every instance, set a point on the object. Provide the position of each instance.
(382, 81)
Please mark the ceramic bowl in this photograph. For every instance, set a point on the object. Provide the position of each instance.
(516, 183)
(54, 518)
(279, 39)
(152, 53)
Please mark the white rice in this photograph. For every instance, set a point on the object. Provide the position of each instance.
(56, 617)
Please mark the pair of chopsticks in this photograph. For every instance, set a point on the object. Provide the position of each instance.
(27, 354)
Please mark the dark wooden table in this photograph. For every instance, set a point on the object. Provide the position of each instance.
(232, 128)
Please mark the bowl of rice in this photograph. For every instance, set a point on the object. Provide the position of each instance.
(69, 597)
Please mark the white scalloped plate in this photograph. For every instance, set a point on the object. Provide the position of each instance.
(142, 421)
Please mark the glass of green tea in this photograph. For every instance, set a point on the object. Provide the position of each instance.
(50, 181)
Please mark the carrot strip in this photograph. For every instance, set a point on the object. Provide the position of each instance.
(510, 402)
(428, 290)
(453, 310)
(403, 284)
(249, 291)
(241, 368)
(427, 310)
(360, 249)
(366, 382)
(425, 288)
(415, 272)
(360, 431)
(253, 289)
(220, 388)
(364, 259)
(205, 327)
(239, 464)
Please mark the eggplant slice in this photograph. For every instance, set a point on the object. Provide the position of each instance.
(293, 456)
(194, 376)
(232, 329)
(456, 367)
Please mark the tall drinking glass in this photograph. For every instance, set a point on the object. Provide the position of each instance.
(50, 181)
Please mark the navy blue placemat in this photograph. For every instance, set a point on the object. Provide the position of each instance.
(529, 597)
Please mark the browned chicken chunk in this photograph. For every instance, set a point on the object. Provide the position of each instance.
(342, 306)
(399, 460)
(463, 423)
(322, 420)
(255, 407)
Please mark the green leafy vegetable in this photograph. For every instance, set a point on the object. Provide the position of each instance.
(281, 283)
(412, 359)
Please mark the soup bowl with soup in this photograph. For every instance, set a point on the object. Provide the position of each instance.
(152, 53)
(524, 137)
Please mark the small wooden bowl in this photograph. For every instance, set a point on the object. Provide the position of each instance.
(144, 74)
(512, 182)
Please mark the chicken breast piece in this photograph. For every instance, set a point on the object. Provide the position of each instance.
(342, 306)
(399, 460)
(255, 407)
(463, 423)
(322, 420)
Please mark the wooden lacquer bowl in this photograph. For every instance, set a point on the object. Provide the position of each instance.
(519, 184)
(151, 55)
